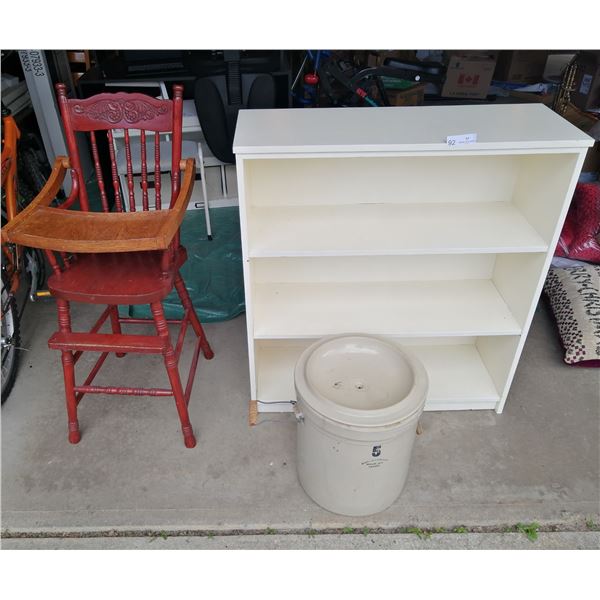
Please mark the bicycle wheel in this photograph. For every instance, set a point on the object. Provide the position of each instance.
(35, 267)
(32, 165)
(11, 340)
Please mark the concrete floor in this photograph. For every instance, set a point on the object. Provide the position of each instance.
(562, 540)
(538, 461)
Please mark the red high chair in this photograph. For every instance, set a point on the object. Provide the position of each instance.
(117, 257)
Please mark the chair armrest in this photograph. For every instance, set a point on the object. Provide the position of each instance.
(44, 198)
(177, 213)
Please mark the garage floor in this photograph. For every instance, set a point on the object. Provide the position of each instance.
(539, 461)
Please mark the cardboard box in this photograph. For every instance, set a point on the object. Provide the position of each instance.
(586, 94)
(468, 76)
(521, 66)
(413, 96)
(376, 57)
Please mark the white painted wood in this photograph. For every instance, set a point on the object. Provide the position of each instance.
(412, 308)
(458, 377)
(424, 128)
(541, 189)
(275, 364)
(570, 189)
(364, 220)
(413, 180)
(367, 269)
(408, 153)
(249, 296)
(516, 278)
(379, 229)
(498, 353)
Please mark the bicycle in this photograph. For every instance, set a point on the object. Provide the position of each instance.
(18, 263)
(344, 84)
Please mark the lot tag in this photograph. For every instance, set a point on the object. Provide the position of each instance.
(465, 138)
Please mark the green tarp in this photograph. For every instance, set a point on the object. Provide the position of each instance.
(213, 272)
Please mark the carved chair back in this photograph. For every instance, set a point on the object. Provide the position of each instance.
(147, 118)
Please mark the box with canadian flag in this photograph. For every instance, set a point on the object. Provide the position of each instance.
(469, 75)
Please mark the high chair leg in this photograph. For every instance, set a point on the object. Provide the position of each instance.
(116, 326)
(196, 325)
(69, 375)
(68, 363)
(173, 372)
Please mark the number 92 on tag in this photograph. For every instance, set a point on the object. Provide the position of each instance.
(465, 138)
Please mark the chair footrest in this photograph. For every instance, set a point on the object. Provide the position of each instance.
(107, 342)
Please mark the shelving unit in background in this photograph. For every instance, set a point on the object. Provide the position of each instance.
(366, 220)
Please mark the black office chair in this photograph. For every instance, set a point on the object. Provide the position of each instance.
(218, 99)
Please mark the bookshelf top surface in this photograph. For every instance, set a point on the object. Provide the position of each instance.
(401, 129)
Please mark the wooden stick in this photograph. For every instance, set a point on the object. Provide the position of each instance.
(252, 412)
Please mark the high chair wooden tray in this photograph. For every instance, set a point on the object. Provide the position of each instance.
(59, 229)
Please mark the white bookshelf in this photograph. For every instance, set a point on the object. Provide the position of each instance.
(365, 220)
